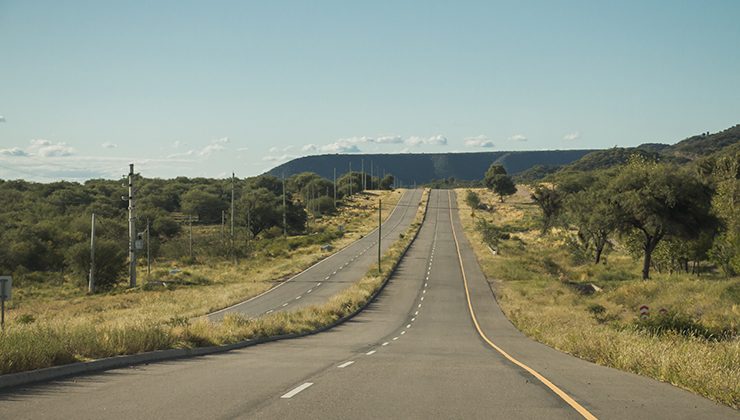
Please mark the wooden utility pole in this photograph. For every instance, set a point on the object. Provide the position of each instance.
(380, 226)
(285, 218)
(131, 229)
(335, 187)
(350, 178)
(148, 253)
(362, 171)
(190, 222)
(371, 174)
(91, 280)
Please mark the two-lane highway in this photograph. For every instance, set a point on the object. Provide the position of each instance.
(413, 353)
(327, 277)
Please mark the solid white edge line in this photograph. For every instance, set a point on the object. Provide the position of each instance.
(296, 390)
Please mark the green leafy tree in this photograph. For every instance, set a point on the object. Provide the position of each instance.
(473, 201)
(110, 262)
(659, 200)
(550, 201)
(497, 180)
(387, 182)
(592, 213)
(206, 205)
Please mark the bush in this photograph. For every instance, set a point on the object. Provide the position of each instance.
(110, 262)
(682, 324)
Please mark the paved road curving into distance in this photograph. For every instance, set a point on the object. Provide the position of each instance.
(415, 352)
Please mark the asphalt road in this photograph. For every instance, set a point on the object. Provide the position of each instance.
(413, 353)
(334, 273)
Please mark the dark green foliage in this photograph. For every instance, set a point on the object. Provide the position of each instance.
(550, 201)
(659, 200)
(492, 235)
(387, 182)
(472, 200)
(497, 180)
(590, 211)
(110, 262)
(206, 206)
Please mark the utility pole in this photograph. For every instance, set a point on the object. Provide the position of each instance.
(285, 218)
(380, 226)
(148, 254)
(335, 187)
(231, 238)
(223, 224)
(131, 229)
(362, 170)
(91, 280)
(232, 207)
(371, 174)
(190, 247)
(350, 178)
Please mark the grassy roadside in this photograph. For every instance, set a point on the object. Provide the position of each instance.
(38, 345)
(195, 289)
(538, 286)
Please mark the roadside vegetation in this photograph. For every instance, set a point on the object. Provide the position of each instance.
(38, 345)
(573, 259)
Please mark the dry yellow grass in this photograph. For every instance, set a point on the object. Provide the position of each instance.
(73, 338)
(531, 276)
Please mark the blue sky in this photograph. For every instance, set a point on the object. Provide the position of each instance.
(204, 88)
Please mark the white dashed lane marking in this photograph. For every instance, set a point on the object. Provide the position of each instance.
(345, 364)
(285, 304)
(386, 343)
(296, 390)
(371, 352)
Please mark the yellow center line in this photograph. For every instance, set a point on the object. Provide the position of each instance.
(559, 392)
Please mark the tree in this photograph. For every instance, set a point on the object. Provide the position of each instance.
(659, 200)
(473, 200)
(550, 201)
(265, 211)
(590, 211)
(387, 182)
(110, 261)
(207, 206)
(499, 182)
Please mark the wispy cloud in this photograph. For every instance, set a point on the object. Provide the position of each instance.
(572, 136)
(181, 154)
(14, 151)
(352, 144)
(518, 137)
(478, 141)
(46, 148)
(214, 146)
(107, 145)
(278, 159)
(2, 119)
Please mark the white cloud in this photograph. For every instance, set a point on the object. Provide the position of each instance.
(518, 137)
(438, 140)
(242, 149)
(182, 154)
(176, 144)
(572, 136)
(215, 146)
(310, 148)
(341, 146)
(15, 151)
(478, 141)
(389, 140)
(107, 145)
(2, 119)
(281, 158)
(45, 148)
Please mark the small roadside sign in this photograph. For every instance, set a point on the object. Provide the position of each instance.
(6, 287)
(644, 311)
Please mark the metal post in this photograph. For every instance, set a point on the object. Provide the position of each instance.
(190, 222)
(148, 254)
(131, 229)
(285, 218)
(91, 280)
(380, 226)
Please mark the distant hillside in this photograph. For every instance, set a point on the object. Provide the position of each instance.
(684, 151)
(423, 168)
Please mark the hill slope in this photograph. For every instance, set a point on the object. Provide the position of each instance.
(423, 168)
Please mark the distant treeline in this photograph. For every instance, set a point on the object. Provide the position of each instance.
(45, 227)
